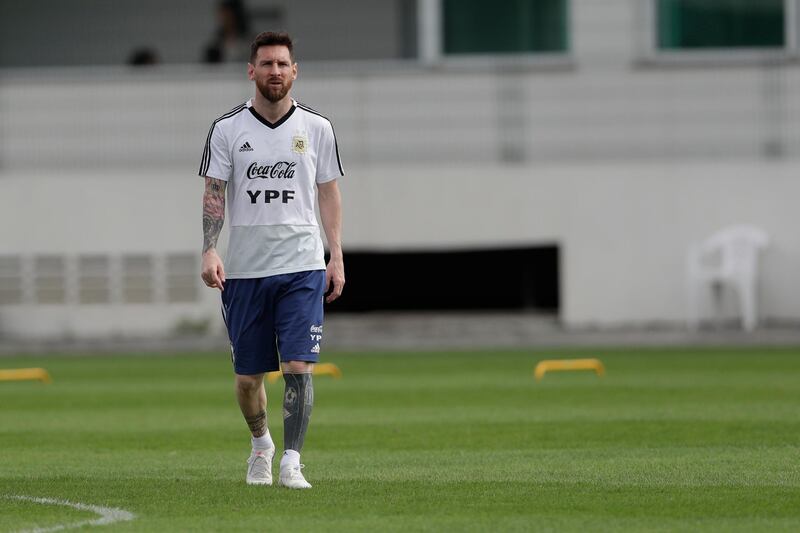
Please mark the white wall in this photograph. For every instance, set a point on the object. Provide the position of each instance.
(623, 229)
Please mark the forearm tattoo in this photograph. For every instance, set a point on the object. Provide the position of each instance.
(213, 212)
(257, 423)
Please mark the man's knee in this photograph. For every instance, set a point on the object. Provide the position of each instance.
(297, 367)
(249, 384)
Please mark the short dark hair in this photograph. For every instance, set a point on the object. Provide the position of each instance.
(271, 38)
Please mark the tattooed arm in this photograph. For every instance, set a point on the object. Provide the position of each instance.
(213, 217)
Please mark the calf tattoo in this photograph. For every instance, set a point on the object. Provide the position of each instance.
(257, 423)
(298, 401)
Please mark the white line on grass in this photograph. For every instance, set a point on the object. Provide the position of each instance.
(108, 515)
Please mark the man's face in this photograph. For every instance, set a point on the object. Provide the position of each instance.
(273, 72)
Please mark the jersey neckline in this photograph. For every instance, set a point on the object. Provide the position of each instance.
(264, 121)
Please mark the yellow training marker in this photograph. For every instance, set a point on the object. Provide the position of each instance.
(25, 374)
(320, 369)
(568, 364)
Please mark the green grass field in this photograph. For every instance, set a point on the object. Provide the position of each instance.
(668, 440)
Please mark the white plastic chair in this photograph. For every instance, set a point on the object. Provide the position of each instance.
(727, 258)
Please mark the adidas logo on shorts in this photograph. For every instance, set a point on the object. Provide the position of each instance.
(315, 349)
(246, 147)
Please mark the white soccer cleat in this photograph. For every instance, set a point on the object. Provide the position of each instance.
(259, 467)
(292, 478)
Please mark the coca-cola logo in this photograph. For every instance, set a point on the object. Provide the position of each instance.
(279, 170)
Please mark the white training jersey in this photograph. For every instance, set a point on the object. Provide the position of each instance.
(272, 170)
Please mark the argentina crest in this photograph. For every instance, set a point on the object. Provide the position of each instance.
(300, 143)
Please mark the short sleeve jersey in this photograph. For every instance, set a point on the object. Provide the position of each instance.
(272, 170)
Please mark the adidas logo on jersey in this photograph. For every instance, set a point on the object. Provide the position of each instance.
(246, 147)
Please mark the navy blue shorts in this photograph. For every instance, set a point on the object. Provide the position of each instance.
(274, 319)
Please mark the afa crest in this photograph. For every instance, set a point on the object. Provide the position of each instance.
(299, 144)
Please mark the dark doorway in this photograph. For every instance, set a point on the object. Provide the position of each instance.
(496, 279)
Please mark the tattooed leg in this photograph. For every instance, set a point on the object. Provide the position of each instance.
(298, 402)
(252, 399)
(253, 402)
(257, 423)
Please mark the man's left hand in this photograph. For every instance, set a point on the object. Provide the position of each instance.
(334, 274)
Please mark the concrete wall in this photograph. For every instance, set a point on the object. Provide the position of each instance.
(623, 229)
(621, 159)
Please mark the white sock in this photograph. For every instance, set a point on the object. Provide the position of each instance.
(264, 442)
(290, 458)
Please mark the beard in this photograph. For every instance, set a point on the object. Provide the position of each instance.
(274, 93)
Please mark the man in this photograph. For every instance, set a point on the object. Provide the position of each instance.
(269, 153)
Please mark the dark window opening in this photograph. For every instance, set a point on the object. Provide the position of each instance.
(487, 26)
(686, 24)
(498, 279)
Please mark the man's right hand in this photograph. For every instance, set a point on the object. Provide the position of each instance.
(213, 272)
